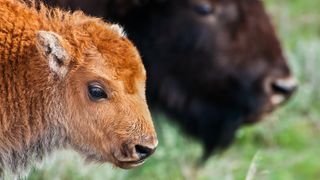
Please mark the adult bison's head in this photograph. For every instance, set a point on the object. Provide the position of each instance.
(102, 80)
(212, 64)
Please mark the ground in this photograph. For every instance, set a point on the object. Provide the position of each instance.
(285, 146)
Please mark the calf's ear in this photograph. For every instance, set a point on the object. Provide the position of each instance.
(50, 46)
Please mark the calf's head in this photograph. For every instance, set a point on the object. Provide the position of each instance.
(102, 81)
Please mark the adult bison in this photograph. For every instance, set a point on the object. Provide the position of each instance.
(68, 80)
(213, 65)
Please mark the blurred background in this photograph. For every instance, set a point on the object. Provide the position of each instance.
(286, 145)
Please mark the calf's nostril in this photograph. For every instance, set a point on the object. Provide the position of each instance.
(143, 151)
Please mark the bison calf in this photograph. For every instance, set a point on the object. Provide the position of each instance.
(69, 80)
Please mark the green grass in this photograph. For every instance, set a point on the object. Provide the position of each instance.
(285, 146)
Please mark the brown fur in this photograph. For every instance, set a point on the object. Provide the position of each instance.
(41, 111)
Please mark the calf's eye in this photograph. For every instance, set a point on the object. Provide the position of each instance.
(203, 9)
(96, 92)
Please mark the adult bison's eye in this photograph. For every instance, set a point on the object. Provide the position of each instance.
(203, 9)
(96, 92)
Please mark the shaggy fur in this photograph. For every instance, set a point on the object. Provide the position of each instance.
(47, 59)
(212, 64)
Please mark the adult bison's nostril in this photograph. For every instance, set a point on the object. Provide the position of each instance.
(284, 86)
(282, 89)
(143, 152)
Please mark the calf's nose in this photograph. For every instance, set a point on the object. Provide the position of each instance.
(146, 147)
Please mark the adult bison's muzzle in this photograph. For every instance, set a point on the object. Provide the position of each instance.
(277, 91)
(282, 89)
